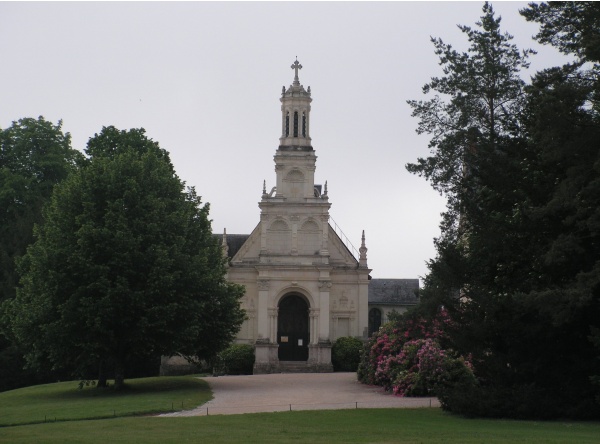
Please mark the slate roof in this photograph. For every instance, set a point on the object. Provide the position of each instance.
(234, 242)
(393, 291)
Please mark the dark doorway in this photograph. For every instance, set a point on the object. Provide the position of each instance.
(374, 320)
(292, 328)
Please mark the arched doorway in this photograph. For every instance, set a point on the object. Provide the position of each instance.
(292, 328)
(374, 320)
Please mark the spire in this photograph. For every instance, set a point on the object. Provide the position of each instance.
(224, 246)
(362, 261)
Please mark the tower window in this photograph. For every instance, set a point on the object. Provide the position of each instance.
(303, 124)
(287, 124)
(295, 123)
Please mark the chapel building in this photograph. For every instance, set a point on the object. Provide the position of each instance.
(305, 287)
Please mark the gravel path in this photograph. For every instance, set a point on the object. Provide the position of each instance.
(296, 391)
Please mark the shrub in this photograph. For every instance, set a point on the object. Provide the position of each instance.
(345, 354)
(237, 359)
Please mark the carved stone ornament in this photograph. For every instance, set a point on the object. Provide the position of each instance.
(324, 285)
(263, 285)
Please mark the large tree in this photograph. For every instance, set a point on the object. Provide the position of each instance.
(35, 155)
(124, 266)
(565, 128)
(518, 255)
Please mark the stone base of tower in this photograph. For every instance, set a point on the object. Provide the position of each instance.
(319, 357)
(267, 361)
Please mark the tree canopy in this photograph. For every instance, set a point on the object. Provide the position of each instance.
(518, 265)
(35, 155)
(124, 266)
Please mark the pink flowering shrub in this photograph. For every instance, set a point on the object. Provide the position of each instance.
(407, 358)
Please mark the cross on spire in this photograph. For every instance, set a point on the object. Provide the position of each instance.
(296, 66)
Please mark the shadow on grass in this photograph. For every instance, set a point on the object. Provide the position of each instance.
(137, 387)
(66, 402)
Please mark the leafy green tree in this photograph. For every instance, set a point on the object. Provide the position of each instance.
(124, 267)
(35, 155)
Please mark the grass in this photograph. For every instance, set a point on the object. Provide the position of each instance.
(64, 401)
(74, 411)
(331, 426)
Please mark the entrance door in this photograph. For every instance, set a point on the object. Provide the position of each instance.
(292, 329)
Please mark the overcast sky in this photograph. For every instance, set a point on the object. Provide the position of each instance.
(204, 80)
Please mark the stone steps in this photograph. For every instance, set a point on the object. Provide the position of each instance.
(294, 367)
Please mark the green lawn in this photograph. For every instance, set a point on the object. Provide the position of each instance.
(332, 426)
(64, 401)
(144, 396)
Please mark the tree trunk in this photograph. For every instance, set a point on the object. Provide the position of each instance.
(101, 376)
(119, 376)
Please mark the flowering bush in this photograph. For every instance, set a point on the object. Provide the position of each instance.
(407, 358)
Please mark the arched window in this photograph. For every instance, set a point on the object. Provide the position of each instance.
(374, 320)
(295, 123)
(303, 125)
(287, 124)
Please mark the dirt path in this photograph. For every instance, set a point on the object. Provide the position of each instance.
(296, 391)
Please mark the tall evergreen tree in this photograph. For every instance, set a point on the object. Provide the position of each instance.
(565, 129)
(518, 252)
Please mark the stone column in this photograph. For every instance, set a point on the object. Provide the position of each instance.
(363, 304)
(294, 219)
(323, 325)
(273, 324)
(264, 220)
(314, 330)
(263, 300)
(324, 242)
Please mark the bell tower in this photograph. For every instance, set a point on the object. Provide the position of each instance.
(304, 286)
(295, 113)
(295, 158)
(296, 212)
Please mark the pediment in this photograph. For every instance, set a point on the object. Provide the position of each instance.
(250, 250)
(338, 251)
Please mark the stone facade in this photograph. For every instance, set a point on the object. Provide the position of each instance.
(294, 259)
(304, 286)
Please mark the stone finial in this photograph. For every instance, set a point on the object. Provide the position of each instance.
(224, 246)
(296, 66)
(264, 194)
(283, 90)
(362, 261)
(325, 189)
(308, 91)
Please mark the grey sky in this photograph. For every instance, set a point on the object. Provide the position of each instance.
(204, 80)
